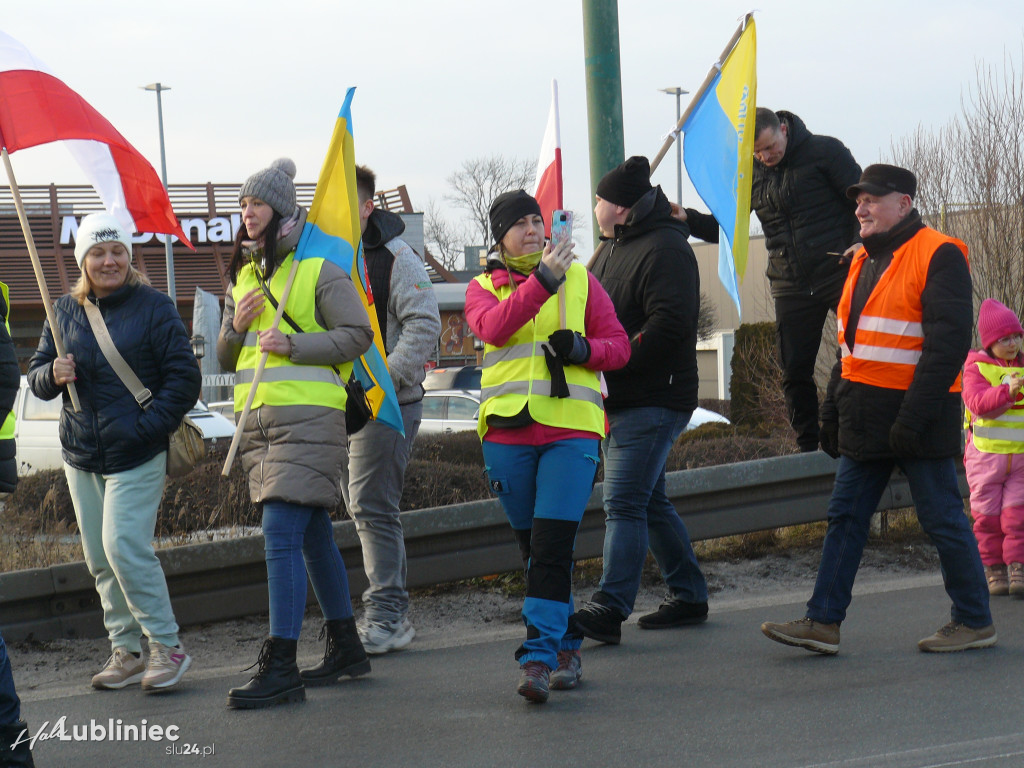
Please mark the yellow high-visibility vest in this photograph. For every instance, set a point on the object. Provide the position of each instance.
(516, 376)
(283, 382)
(7, 430)
(1005, 433)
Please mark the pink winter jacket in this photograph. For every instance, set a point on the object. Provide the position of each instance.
(985, 401)
(981, 398)
(494, 322)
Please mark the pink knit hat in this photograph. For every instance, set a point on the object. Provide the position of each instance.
(995, 321)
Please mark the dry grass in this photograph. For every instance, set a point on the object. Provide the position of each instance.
(39, 526)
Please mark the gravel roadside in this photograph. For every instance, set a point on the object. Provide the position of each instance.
(477, 611)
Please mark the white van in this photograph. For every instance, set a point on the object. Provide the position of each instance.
(36, 429)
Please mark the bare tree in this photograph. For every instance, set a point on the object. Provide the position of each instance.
(707, 318)
(475, 185)
(971, 179)
(446, 240)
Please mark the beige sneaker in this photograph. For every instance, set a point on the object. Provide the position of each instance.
(165, 667)
(805, 633)
(1016, 577)
(958, 637)
(998, 581)
(123, 668)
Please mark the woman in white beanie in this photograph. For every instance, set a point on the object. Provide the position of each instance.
(293, 442)
(115, 450)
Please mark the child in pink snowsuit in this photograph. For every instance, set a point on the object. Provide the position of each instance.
(995, 465)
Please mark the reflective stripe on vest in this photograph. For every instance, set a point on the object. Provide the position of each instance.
(283, 382)
(1005, 433)
(7, 430)
(890, 335)
(516, 375)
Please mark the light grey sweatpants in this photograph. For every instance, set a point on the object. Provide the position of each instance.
(116, 516)
(372, 485)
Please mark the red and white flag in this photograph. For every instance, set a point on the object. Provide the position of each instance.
(548, 185)
(37, 108)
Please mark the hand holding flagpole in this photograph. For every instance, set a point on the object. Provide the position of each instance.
(37, 267)
(38, 108)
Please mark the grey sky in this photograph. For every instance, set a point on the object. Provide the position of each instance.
(445, 80)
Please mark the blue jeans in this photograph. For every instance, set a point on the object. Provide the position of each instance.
(638, 512)
(544, 490)
(293, 534)
(10, 706)
(940, 510)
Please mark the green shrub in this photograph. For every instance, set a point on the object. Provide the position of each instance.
(755, 387)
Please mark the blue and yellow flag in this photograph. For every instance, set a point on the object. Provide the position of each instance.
(719, 154)
(332, 233)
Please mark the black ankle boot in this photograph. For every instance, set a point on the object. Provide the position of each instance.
(276, 681)
(344, 654)
(21, 755)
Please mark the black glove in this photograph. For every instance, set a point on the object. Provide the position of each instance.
(570, 346)
(904, 441)
(828, 436)
(556, 369)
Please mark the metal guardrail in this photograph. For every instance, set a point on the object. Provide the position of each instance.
(227, 579)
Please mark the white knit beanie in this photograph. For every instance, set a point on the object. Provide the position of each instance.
(100, 228)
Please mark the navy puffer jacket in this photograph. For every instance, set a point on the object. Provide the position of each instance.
(112, 433)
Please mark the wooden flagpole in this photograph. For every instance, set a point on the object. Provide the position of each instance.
(237, 439)
(715, 69)
(37, 267)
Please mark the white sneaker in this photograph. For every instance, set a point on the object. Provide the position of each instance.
(165, 666)
(382, 636)
(122, 669)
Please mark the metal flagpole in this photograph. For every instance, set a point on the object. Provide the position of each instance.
(715, 69)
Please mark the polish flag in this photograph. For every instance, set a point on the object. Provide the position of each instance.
(548, 186)
(37, 108)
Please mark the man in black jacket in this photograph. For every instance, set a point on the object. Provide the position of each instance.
(799, 195)
(905, 321)
(650, 273)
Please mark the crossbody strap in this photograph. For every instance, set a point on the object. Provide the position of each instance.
(124, 371)
(265, 287)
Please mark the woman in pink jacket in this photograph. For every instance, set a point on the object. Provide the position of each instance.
(548, 328)
(993, 377)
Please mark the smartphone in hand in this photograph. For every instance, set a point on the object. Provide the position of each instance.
(561, 227)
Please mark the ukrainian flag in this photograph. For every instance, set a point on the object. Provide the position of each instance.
(719, 154)
(332, 232)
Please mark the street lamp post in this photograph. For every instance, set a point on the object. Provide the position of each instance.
(678, 92)
(168, 250)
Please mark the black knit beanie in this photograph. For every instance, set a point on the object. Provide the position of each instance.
(508, 208)
(627, 183)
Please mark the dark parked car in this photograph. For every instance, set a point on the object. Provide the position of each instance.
(457, 377)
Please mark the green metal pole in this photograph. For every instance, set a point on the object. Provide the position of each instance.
(604, 89)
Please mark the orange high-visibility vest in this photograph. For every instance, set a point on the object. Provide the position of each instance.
(890, 336)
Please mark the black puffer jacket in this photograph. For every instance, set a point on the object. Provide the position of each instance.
(804, 211)
(650, 274)
(112, 433)
(866, 413)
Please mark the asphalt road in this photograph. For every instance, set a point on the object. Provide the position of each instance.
(719, 694)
